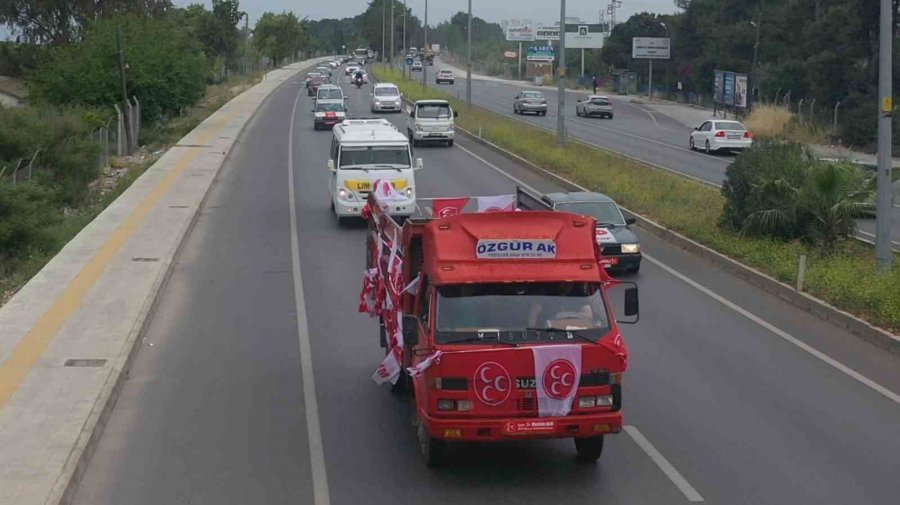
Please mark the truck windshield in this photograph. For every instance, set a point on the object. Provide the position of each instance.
(374, 157)
(520, 312)
(330, 94)
(603, 212)
(433, 111)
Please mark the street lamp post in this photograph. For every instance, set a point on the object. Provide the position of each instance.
(757, 24)
(666, 28)
(391, 54)
(383, 27)
(469, 60)
(404, 26)
(425, 67)
(885, 110)
(561, 89)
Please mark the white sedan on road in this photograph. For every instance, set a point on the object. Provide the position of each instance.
(714, 135)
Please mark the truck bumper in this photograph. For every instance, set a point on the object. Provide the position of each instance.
(351, 208)
(520, 428)
(423, 136)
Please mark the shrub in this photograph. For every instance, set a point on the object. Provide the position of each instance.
(26, 213)
(166, 70)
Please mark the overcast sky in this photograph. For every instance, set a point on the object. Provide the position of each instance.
(441, 10)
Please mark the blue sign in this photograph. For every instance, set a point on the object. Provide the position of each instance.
(540, 53)
(409, 61)
(728, 94)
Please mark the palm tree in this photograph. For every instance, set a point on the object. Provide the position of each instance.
(820, 210)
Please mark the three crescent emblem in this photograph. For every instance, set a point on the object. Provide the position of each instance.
(492, 383)
(559, 379)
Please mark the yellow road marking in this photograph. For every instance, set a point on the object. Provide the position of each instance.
(35, 342)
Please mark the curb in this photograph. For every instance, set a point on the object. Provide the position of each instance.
(819, 308)
(66, 485)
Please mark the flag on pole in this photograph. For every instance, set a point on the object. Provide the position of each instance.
(417, 370)
(446, 207)
(499, 203)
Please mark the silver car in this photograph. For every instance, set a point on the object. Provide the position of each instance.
(386, 97)
(530, 101)
(594, 106)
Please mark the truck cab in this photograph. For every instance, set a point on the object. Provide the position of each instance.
(619, 246)
(431, 121)
(511, 329)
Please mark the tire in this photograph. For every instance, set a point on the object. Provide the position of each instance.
(515, 110)
(449, 143)
(691, 144)
(610, 116)
(636, 269)
(544, 113)
(343, 221)
(589, 449)
(431, 449)
(707, 148)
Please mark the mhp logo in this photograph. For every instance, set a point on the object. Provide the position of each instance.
(515, 249)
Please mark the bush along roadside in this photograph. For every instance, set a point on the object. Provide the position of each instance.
(70, 187)
(846, 276)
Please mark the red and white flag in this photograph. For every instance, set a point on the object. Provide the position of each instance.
(413, 287)
(385, 192)
(557, 369)
(417, 370)
(499, 203)
(446, 207)
(388, 371)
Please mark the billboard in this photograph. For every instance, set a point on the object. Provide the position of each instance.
(546, 33)
(730, 88)
(540, 53)
(650, 48)
(584, 36)
(518, 30)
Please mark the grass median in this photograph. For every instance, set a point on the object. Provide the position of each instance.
(847, 278)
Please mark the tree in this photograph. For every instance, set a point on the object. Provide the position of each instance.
(61, 21)
(166, 68)
(216, 30)
(278, 36)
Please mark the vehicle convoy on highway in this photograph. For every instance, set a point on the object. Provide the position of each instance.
(497, 321)
(327, 113)
(386, 97)
(364, 151)
(619, 246)
(431, 121)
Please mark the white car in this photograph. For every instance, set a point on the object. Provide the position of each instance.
(416, 66)
(444, 75)
(386, 97)
(351, 69)
(715, 135)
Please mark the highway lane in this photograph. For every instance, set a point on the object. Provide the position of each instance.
(214, 413)
(636, 131)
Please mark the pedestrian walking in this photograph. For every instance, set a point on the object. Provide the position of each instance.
(594, 80)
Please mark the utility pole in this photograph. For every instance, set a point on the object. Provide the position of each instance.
(383, 27)
(126, 106)
(424, 66)
(469, 60)
(391, 54)
(404, 27)
(758, 25)
(885, 92)
(561, 90)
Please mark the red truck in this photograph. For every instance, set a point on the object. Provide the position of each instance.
(499, 324)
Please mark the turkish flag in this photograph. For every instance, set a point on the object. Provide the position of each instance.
(446, 207)
(499, 203)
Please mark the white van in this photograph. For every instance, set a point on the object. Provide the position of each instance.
(431, 121)
(362, 152)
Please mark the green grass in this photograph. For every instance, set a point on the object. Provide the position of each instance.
(847, 278)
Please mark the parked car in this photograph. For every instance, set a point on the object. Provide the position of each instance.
(594, 106)
(444, 76)
(530, 101)
(715, 135)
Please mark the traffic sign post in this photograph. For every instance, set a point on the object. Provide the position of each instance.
(650, 48)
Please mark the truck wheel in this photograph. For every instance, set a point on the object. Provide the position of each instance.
(449, 143)
(432, 449)
(589, 449)
(343, 221)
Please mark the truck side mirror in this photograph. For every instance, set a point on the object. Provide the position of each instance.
(419, 165)
(330, 166)
(456, 113)
(410, 330)
(632, 307)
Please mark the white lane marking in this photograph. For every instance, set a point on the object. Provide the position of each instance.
(313, 427)
(680, 482)
(887, 393)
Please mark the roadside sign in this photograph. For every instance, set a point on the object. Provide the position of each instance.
(585, 36)
(730, 89)
(650, 48)
(509, 54)
(540, 53)
(409, 61)
(520, 33)
(546, 33)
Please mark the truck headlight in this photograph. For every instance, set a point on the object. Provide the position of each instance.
(409, 192)
(419, 127)
(631, 248)
(343, 194)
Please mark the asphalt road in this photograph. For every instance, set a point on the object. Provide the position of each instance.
(635, 131)
(214, 411)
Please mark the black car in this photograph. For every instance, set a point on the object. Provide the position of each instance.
(619, 245)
